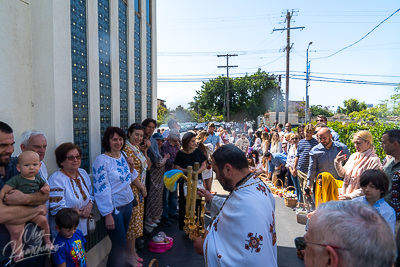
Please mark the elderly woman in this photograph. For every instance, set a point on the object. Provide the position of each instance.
(364, 159)
(113, 174)
(154, 206)
(233, 138)
(70, 186)
(142, 164)
(187, 156)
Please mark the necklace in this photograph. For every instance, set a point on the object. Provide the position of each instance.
(76, 174)
(111, 155)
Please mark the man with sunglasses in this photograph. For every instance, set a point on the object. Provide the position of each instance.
(347, 233)
(18, 209)
(323, 120)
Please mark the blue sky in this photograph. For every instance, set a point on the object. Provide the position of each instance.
(190, 35)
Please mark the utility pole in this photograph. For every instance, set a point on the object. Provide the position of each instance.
(307, 83)
(278, 91)
(227, 80)
(289, 15)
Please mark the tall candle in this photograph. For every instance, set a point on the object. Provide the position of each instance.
(188, 190)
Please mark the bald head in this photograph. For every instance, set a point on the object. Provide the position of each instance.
(325, 137)
(27, 155)
(28, 164)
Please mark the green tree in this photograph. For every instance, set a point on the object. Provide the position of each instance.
(352, 105)
(163, 115)
(319, 110)
(249, 96)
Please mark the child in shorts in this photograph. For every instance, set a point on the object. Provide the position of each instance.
(70, 242)
(28, 181)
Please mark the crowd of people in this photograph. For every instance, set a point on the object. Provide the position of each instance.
(129, 191)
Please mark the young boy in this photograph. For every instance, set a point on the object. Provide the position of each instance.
(29, 181)
(70, 242)
(375, 184)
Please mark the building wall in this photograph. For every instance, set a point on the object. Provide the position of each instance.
(37, 71)
(36, 83)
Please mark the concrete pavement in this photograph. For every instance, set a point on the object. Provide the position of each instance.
(182, 253)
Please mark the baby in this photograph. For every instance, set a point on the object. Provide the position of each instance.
(27, 182)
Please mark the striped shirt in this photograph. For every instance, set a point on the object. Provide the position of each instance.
(303, 151)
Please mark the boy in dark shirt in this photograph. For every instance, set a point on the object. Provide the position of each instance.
(70, 242)
(29, 181)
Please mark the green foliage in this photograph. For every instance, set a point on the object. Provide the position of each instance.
(346, 132)
(352, 105)
(207, 117)
(373, 114)
(249, 96)
(319, 110)
(219, 118)
(162, 115)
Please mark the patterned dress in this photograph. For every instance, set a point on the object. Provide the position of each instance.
(135, 228)
(154, 206)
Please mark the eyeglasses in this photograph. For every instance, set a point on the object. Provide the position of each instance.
(296, 138)
(72, 158)
(301, 244)
(320, 120)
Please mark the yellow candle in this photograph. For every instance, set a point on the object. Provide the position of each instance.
(194, 192)
(188, 190)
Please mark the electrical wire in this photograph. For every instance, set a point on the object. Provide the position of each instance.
(360, 39)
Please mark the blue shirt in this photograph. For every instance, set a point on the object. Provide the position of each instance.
(384, 209)
(70, 250)
(322, 160)
(212, 139)
(335, 135)
(303, 150)
(277, 159)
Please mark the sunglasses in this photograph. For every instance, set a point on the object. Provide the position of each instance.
(72, 158)
(320, 120)
(137, 126)
(296, 138)
(301, 244)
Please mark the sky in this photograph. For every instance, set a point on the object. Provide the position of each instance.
(190, 35)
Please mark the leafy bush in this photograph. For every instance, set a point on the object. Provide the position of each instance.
(347, 130)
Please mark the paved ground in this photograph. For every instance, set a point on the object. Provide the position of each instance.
(182, 253)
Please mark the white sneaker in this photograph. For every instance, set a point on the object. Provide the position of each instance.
(156, 221)
(150, 223)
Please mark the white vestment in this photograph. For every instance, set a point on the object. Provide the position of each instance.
(243, 233)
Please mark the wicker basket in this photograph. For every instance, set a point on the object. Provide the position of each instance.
(275, 188)
(263, 177)
(290, 201)
(153, 263)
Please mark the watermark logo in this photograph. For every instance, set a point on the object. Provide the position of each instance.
(32, 245)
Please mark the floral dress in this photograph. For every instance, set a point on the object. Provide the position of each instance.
(135, 228)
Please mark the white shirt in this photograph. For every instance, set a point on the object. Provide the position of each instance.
(43, 173)
(111, 183)
(68, 193)
(243, 233)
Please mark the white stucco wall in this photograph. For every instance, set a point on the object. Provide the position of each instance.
(15, 68)
(36, 83)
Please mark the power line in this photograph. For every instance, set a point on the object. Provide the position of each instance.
(361, 38)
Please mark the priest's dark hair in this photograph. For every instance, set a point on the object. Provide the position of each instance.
(232, 155)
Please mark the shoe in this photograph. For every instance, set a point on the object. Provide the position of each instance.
(174, 218)
(139, 243)
(166, 221)
(150, 223)
(156, 221)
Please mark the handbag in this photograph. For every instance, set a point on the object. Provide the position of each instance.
(91, 224)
